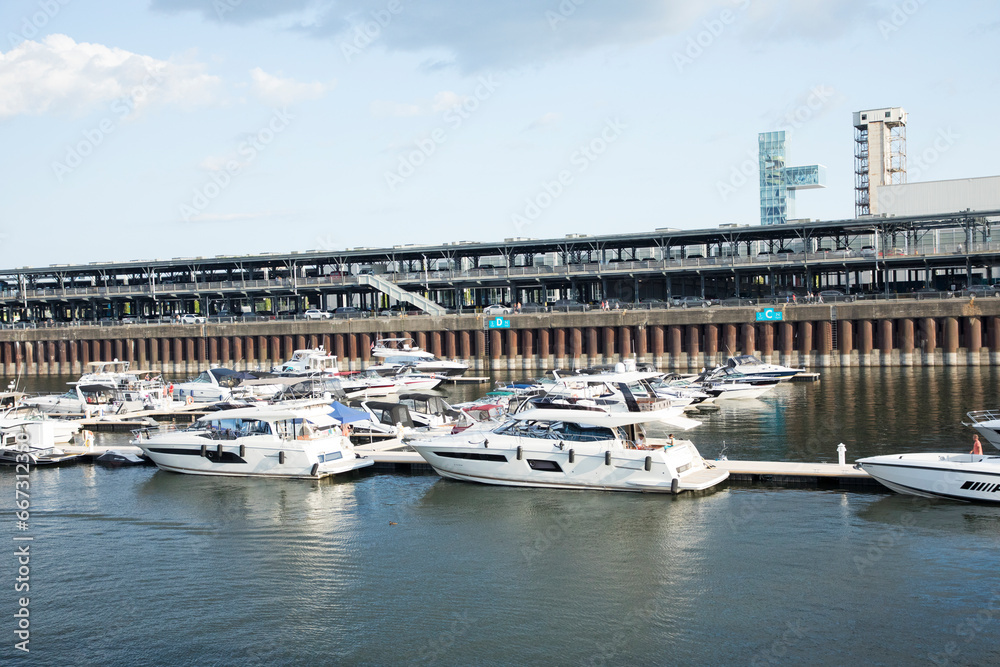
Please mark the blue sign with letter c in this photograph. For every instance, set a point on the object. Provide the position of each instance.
(770, 315)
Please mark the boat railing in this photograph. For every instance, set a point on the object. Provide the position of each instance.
(979, 416)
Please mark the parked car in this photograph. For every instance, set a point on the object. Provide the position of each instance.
(497, 309)
(930, 293)
(690, 302)
(316, 314)
(649, 304)
(191, 318)
(347, 311)
(569, 304)
(834, 295)
(530, 307)
(981, 290)
(868, 251)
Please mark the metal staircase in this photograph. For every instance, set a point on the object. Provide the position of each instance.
(398, 293)
(833, 329)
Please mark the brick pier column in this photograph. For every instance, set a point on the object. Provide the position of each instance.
(675, 346)
(694, 346)
(749, 339)
(907, 340)
(824, 341)
(609, 345)
(885, 342)
(845, 341)
(576, 347)
(560, 347)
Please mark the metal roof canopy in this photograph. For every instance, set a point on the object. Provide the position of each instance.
(574, 243)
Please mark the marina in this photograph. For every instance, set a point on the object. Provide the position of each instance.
(335, 547)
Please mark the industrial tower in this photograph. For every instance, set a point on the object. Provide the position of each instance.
(879, 155)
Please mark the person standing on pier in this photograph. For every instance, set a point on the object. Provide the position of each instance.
(977, 447)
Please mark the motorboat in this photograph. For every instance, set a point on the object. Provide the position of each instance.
(969, 477)
(572, 447)
(63, 431)
(395, 352)
(31, 442)
(987, 424)
(256, 442)
(108, 387)
(314, 361)
(116, 458)
(748, 364)
(223, 384)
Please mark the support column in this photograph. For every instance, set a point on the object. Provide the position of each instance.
(624, 343)
(512, 349)
(694, 346)
(749, 339)
(950, 341)
(528, 348)
(675, 346)
(352, 351)
(824, 341)
(974, 340)
(641, 333)
(865, 340)
(544, 348)
(906, 341)
(729, 340)
(786, 342)
(576, 347)
(711, 344)
(560, 347)
(482, 362)
(885, 341)
(658, 346)
(609, 345)
(766, 340)
(436, 344)
(928, 335)
(593, 355)
(496, 347)
(845, 340)
(993, 332)
(465, 345)
(450, 345)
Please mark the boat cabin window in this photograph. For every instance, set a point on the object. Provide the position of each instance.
(567, 431)
(203, 377)
(294, 429)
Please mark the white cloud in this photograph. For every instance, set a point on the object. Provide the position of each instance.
(59, 75)
(550, 118)
(280, 92)
(448, 100)
(384, 109)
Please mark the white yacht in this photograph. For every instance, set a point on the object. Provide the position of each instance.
(395, 352)
(315, 361)
(109, 386)
(987, 424)
(748, 364)
(218, 384)
(970, 477)
(256, 442)
(572, 448)
(31, 442)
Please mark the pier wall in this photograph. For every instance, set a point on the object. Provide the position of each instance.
(947, 332)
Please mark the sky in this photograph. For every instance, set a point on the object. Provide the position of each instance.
(152, 129)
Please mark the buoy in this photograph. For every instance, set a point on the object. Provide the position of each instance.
(674, 483)
(243, 451)
(572, 456)
(520, 452)
(649, 463)
(204, 450)
(281, 457)
(315, 469)
(607, 458)
(189, 400)
(218, 451)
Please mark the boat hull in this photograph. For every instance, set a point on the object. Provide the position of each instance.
(624, 470)
(965, 477)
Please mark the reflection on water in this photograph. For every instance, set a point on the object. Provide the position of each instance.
(138, 566)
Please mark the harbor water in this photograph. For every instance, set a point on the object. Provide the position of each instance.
(136, 566)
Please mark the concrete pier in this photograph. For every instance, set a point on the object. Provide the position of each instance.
(906, 333)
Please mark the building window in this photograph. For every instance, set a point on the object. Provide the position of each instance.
(887, 114)
(864, 116)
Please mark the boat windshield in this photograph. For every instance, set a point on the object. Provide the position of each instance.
(232, 428)
(70, 394)
(204, 377)
(546, 430)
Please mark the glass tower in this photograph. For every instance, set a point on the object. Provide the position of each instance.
(778, 182)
